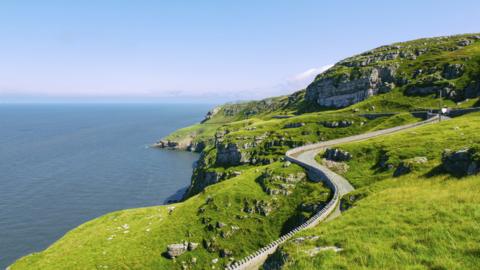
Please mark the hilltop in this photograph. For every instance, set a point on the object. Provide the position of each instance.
(244, 194)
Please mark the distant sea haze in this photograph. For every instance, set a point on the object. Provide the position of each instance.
(62, 165)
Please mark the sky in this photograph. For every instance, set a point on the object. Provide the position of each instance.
(199, 50)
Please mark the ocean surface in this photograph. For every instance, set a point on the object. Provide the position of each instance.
(62, 165)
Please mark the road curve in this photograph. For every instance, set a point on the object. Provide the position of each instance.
(305, 157)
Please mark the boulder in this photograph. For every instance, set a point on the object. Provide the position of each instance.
(462, 162)
(464, 42)
(175, 250)
(337, 155)
(192, 246)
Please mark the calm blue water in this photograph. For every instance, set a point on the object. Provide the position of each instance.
(61, 165)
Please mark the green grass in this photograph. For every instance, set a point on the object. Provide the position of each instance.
(426, 219)
(400, 233)
(104, 242)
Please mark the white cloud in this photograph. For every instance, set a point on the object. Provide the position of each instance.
(309, 74)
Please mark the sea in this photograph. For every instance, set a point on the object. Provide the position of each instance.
(64, 164)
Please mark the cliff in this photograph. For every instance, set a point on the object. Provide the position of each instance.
(446, 65)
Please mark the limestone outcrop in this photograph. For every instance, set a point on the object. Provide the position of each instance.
(388, 67)
(340, 90)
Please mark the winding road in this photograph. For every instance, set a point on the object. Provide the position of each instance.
(305, 157)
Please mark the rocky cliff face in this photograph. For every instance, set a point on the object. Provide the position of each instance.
(416, 67)
(347, 89)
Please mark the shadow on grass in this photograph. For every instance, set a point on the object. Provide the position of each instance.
(438, 171)
(296, 220)
(165, 255)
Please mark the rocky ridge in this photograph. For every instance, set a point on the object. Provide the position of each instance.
(388, 67)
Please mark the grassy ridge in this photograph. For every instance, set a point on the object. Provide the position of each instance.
(426, 219)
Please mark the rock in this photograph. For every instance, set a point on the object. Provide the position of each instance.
(403, 168)
(192, 246)
(221, 224)
(196, 147)
(175, 250)
(214, 261)
(210, 114)
(408, 165)
(462, 162)
(332, 90)
(464, 42)
(338, 124)
(312, 207)
(286, 164)
(316, 250)
(230, 154)
(294, 125)
(225, 253)
(452, 71)
(210, 245)
(337, 155)
(225, 234)
(338, 167)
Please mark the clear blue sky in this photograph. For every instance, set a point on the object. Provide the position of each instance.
(200, 50)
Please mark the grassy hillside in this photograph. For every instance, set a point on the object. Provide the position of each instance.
(137, 238)
(425, 219)
(244, 195)
(420, 70)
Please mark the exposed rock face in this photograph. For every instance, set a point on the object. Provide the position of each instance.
(345, 90)
(280, 184)
(261, 207)
(379, 70)
(462, 162)
(338, 124)
(230, 154)
(294, 125)
(185, 144)
(337, 155)
(211, 113)
(452, 71)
